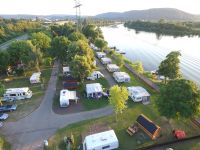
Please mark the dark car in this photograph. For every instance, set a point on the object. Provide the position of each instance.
(6, 108)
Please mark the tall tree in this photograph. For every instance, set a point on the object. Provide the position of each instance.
(22, 52)
(118, 99)
(4, 61)
(41, 41)
(75, 36)
(80, 67)
(138, 67)
(2, 91)
(59, 47)
(80, 48)
(179, 98)
(170, 66)
(100, 43)
(119, 60)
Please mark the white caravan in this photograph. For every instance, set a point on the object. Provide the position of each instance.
(121, 77)
(66, 96)
(94, 90)
(35, 78)
(112, 68)
(106, 140)
(13, 94)
(95, 75)
(100, 54)
(106, 60)
(138, 94)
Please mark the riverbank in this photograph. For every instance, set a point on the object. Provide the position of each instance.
(165, 28)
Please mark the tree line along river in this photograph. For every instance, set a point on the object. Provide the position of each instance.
(151, 49)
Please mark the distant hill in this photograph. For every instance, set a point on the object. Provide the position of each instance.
(151, 14)
(148, 14)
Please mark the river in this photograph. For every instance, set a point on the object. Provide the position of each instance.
(151, 49)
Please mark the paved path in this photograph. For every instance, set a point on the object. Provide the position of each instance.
(29, 132)
(105, 72)
(6, 44)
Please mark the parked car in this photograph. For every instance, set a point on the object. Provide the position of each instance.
(1, 124)
(3, 116)
(6, 108)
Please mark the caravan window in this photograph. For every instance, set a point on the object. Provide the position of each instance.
(12, 94)
(105, 147)
(24, 93)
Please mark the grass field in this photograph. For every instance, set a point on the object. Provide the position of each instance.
(126, 119)
(4, 145)
(25, 107)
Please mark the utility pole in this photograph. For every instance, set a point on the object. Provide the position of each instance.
(78, 14)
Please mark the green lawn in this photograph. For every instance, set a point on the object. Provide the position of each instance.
(4, 145)
(126, 119)
(25, 107)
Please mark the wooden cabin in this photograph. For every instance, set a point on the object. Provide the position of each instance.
(150, 128)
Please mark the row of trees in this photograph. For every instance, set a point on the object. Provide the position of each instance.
(165, 28)
(72, 47)
(12, 28)
(23, 55)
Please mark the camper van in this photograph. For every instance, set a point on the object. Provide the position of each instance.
(95, 75)
(13, 94)
(106, 140)
(35, 78)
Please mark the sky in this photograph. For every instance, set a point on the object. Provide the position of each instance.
(92, 7)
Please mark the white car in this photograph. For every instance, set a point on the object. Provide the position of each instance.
(3, 116)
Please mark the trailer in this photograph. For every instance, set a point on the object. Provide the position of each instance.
(66, 96)
(106, 140)
(121, 77)
(112, 68)
(106, 60)
(94, 90)
(95, 75)
(100, 54)
(13, 94)
(138, 94)
(35, 78)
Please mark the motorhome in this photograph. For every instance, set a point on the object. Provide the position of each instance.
(13, 94)
(66, 96)
(95, 75)
(138, 94)
(35, 78)
(121, 77)
(113, 68)
(106, 140)
(106, 60)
